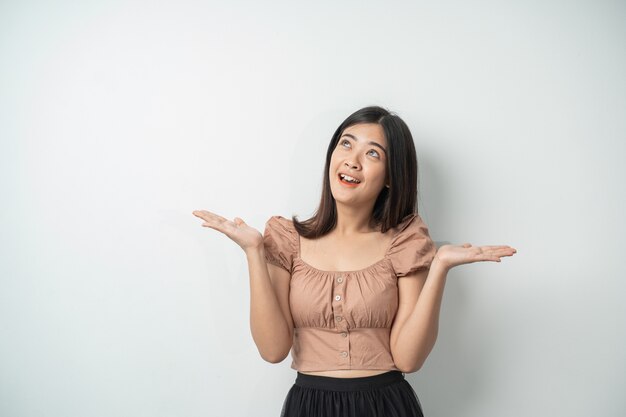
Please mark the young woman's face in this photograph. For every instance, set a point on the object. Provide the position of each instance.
(361, 154)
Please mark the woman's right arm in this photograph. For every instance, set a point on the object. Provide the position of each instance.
(270, 317)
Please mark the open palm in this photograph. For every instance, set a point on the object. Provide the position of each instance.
(454, 255)
(237, 230)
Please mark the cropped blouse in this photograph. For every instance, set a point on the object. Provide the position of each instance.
(343, 319)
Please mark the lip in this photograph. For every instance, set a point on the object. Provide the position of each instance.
(351, 175)
(348, 184)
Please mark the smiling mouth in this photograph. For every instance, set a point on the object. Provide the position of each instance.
(349, 181)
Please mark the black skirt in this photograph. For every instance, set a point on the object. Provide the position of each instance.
(382, 395)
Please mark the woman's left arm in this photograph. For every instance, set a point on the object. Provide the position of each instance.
(415, 328)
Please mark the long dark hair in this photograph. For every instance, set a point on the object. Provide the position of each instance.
(393, 204)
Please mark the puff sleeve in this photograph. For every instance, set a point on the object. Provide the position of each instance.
(279, 239)
(411, 249)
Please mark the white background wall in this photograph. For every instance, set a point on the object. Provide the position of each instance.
(118, 119)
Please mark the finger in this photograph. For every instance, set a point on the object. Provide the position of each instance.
(499, 250)
(490, 258)
(218, 223)
(208, 216)
(497, 247)
(203, 214)
(505, 252)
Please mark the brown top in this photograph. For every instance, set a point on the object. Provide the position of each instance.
(343, 319)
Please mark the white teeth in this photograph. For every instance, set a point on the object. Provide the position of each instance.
(349, 178)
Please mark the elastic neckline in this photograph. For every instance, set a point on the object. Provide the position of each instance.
(400, 227)
(375, 264)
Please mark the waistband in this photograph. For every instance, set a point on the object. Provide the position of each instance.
(348, 384)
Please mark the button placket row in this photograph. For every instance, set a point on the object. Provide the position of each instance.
(340, 322)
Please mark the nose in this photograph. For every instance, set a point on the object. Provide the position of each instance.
(351, 165)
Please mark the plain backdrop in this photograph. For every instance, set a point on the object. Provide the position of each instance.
(119, 118)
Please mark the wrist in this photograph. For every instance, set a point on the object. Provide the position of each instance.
(437, 263)
(257, 251)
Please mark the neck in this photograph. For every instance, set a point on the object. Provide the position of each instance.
(353, 220)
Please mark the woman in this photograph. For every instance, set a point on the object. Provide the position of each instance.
(355, 291)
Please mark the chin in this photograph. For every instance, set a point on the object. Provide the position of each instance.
(353, 200)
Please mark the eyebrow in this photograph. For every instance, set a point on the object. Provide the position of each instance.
(370, 142)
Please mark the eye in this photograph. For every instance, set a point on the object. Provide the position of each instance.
(376, 152)
(343, 141)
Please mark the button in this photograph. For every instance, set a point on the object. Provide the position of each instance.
(344, 354)
(344, 334)
(340, 280)
(337, 297)
(338, 318)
